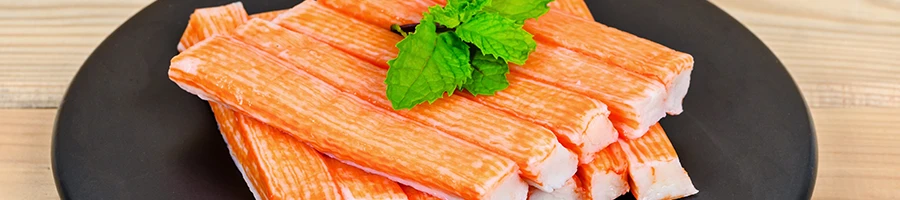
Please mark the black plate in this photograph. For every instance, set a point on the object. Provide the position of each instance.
(124, 131)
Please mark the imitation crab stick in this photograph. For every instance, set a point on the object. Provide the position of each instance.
(607, 177)
(227, 71)
(268, 16)
(357, 184)
(274, 165)
(620, 48)
(414, 194)
(655, 170)
(635, 101)
(280, 167)
(543, 161)
(574, 7)
(389, 12)
(221, 18)
(580, 124)
(366, 41)
(571, 191)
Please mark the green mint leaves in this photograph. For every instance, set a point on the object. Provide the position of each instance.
(498, 36)
(464, 45)
(457, 12)
(489, 75)
(431, 65)
(520, 10)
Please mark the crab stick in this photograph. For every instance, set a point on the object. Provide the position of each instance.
(280, 167)
(580, 124)
(227, 71)
(574, 7)
(635, 101)
(571, 191)
(607, 177)
(357, 184)
(268, 16)
(543, 161)
(655, 170)
(389, 12)
(622, 49)
(342, 32)
(274, 165)
(221, 18)
(414, 194)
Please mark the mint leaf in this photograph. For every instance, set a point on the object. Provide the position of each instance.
(446, 17)
(489, 76)
(457, 11)
(520, 10)
(498, 36)
(428, 65)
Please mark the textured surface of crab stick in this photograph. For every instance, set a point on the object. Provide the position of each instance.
(580, 124)
(268, 16)
(605, 178)
(223, 18)
(655, 170)
(571, 191)
(389, 12)
(366, 41)
(224, 70)
(636, 102)
(275, 165)
(357, 184)
(574, 7)
(414, 194)
(620, 48)
(543, 161)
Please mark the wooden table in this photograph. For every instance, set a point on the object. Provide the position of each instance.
(845, 55)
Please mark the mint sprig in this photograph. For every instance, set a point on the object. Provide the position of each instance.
(437, 58)
(520, 10)
(489, 75)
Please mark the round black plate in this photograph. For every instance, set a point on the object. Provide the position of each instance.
(124, 131)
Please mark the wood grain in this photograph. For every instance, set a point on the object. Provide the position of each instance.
(44, 42)
(25, 161)
(859, 153)
(843, 54)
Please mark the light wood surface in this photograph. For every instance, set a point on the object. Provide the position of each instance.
(844, 54)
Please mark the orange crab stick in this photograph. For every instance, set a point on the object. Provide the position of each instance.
(414, 194)
(225, 70)
(607, 177)
(543, 161)
(389, 12)
(655, 170)
(274, 165)
(357, 184)
(571, 191)
(636, 102)
(206, 22)
(621, 49)
(574, 7)
(268, 16)
(368, 42)
(581, 124)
